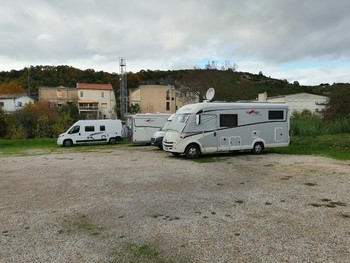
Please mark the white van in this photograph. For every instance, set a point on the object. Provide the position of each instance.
(157, 137)
(88, 131)
(217, 127)
(143, 126)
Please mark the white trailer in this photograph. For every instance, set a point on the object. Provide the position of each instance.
(221, 127)
(89, 131)
(143, 126)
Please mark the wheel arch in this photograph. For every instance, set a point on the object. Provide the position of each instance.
(259, 140)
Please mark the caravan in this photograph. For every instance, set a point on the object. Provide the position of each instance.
(88, 131)
(142, 126)
(217, 127)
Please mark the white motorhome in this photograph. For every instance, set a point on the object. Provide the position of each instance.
(217, 127)
(143, 126)
(89, 131)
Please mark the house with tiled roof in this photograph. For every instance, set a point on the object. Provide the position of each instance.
(12, 102)
(96, 101)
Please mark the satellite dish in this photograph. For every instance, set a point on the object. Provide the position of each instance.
(210, 94)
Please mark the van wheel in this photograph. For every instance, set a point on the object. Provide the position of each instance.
(112, 141)
(192, 151)
(67, 143)
(258, 148)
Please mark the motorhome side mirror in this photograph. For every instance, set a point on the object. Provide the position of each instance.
(198, 119)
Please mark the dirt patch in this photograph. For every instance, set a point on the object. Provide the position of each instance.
(139, 204)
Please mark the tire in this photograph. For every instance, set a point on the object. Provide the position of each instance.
(67, 143)
(258, 148)
(192, 151)
(112, 141)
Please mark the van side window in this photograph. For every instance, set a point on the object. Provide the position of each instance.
(228, 120)
(75, 129)
(102, 128)
(89, 128)
(276, 115)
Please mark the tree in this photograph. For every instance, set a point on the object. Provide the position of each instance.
(3, 124)
(11, 87)
(70, 110)
(43, 129)
(134, 108)
(339, 103)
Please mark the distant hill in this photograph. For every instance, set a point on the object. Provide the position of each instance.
(229, 85)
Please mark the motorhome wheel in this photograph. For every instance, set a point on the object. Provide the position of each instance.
(112, 141)
(67, 143)
(192, 151)
(258, 148)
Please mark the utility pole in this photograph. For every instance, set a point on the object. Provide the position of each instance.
(123, 89)
(28, 80)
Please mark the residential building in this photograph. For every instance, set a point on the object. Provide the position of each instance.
(299, 102)
(12, 102)
(96, 101)
(159, 98)
(58, 96)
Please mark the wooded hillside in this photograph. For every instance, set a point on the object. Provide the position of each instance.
(229, 85)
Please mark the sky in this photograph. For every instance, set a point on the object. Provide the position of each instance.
(298, 40)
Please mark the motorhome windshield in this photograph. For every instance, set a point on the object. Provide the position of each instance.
(181, 117)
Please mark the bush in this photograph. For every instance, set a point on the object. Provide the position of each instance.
(305, 124)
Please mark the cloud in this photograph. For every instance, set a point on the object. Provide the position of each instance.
(164, 34)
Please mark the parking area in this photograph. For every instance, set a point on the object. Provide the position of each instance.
(139, 204)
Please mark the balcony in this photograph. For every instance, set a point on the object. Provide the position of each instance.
(88, 105)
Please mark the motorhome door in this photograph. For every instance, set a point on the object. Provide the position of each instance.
(209, 127)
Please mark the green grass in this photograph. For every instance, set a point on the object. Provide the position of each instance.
(22, 147)
(334, 146)
(25, 147)
(134, 253)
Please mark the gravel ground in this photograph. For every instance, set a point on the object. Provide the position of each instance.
(139, 204)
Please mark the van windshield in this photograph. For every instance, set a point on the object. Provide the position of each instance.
(165, 126)
(181, 117)
(75, 129)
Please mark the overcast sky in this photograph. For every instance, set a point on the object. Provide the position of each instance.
(298, 40)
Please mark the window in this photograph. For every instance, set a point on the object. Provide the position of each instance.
(276, 115)
(81, 94)
(228, 120)
(182, 117)
(104, 105)
(102, 128)
(167, 95)
(2, 104)
(89, 128)
(75, 129)
(59, 93)
(167, 105)
(102, 94)
(19, 103)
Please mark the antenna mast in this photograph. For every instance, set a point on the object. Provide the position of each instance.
(123, 89)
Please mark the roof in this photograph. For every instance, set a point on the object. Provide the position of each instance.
(94, 86)
(56, 88)
(13, 96)
(87, 101)
(211, 106)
